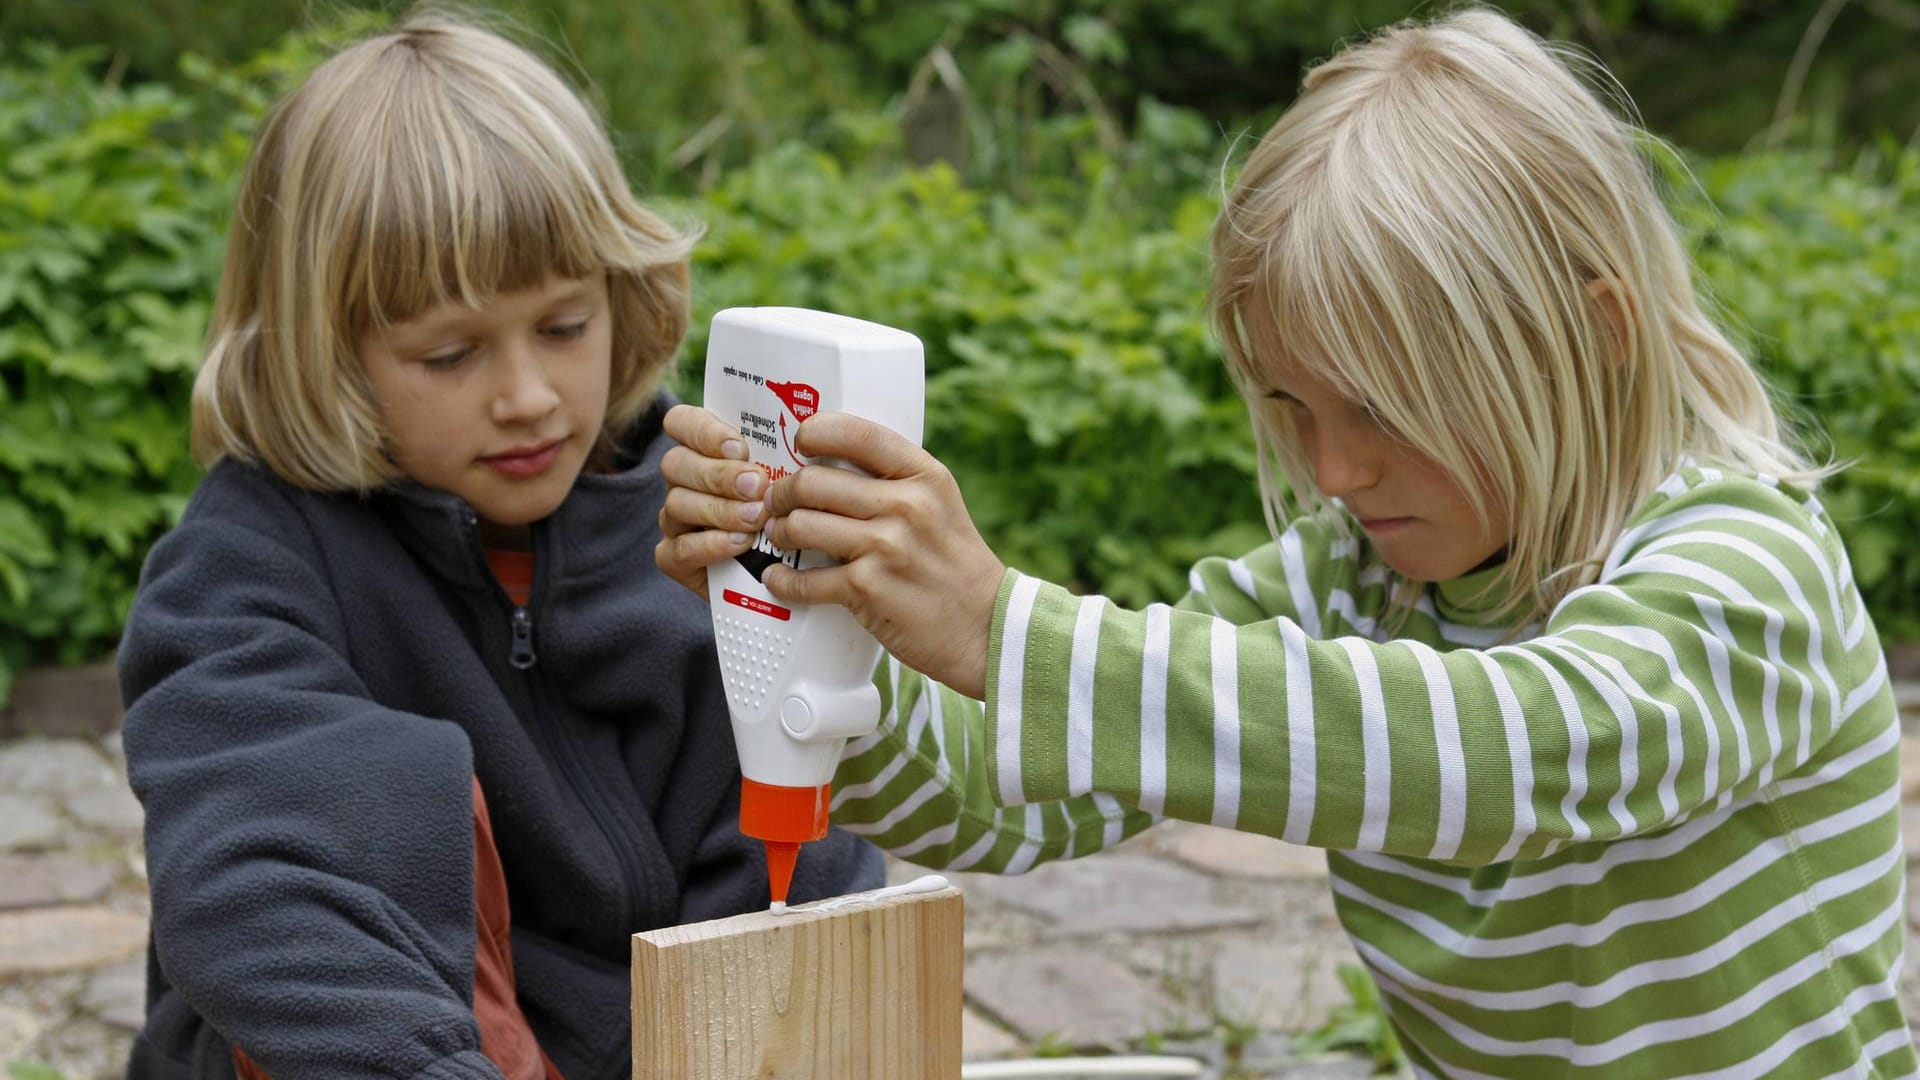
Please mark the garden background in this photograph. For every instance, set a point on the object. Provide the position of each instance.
(1026, 184)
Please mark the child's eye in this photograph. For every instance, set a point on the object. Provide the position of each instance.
(1281, 397)
(567, 331)
(447, 361)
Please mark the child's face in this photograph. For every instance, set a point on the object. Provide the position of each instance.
(1417, 517)
(499, 405)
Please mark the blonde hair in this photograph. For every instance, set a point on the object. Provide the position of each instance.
(1435, 227)
(433, 163)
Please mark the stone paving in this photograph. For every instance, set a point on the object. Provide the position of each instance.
(1187, 940)
(73, 905)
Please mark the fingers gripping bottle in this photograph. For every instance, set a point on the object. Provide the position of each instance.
(798, 677)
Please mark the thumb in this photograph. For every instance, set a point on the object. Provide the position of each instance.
(823, 585)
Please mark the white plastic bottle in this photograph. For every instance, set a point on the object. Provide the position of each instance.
(798, 677)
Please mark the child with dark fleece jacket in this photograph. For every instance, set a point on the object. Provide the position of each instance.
(422, 733)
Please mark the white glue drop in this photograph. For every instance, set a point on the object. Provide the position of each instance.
(926, 883)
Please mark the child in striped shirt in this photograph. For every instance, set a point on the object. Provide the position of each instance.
(1561, 661)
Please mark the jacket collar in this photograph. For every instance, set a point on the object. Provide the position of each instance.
(605, 516)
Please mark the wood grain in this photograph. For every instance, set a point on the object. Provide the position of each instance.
(859, 988)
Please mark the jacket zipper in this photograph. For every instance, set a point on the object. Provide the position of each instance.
(522, 658)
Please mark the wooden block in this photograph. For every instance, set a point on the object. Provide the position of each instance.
(862, 987)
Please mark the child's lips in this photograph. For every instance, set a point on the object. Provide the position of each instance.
(1383, 525)
(527, 461)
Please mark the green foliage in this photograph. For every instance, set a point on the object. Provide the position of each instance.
(146, 38)
(693, 88)
(1360, 1025)
(112, 204)
(1235, 61)
(1051, 1045)
(690, 87)
(33, 1070)
(1817, 266)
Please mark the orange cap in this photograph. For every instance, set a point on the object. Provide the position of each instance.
(784, 817)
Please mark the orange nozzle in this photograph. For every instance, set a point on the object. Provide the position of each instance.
(785, 818)
(781, 855)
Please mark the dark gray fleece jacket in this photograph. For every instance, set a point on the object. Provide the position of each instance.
(311, 679)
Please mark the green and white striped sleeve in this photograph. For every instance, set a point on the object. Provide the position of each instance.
(1709, 658)
(919, 786)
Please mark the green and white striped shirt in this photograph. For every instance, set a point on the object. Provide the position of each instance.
(1656, 837)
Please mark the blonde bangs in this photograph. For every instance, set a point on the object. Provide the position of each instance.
(456, 207)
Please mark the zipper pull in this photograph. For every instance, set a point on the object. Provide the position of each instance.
(522, 657)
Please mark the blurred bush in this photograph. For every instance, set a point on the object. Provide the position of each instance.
(113, 201)
(1816, 264)
(108, 242)
(1710, 74)
(695, 87)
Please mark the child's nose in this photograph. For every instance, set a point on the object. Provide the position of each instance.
(524, 392)
(1345, 460)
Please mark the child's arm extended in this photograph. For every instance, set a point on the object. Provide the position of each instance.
(310, 852)
(918, 786)
(1720, 651)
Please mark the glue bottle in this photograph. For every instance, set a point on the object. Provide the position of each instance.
(798, 677)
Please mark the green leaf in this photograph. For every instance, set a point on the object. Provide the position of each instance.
(172, 336)
(59, 267)
(13, 578)
(21, 536)
(1094, 38)
(82, 365)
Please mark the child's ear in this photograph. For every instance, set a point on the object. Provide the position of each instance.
(1615, 303)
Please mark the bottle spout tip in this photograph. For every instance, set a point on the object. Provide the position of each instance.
(781, 855)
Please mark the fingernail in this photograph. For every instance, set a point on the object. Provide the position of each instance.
(749, 483)
(738, 538)
(750, 512)
(731, 449)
